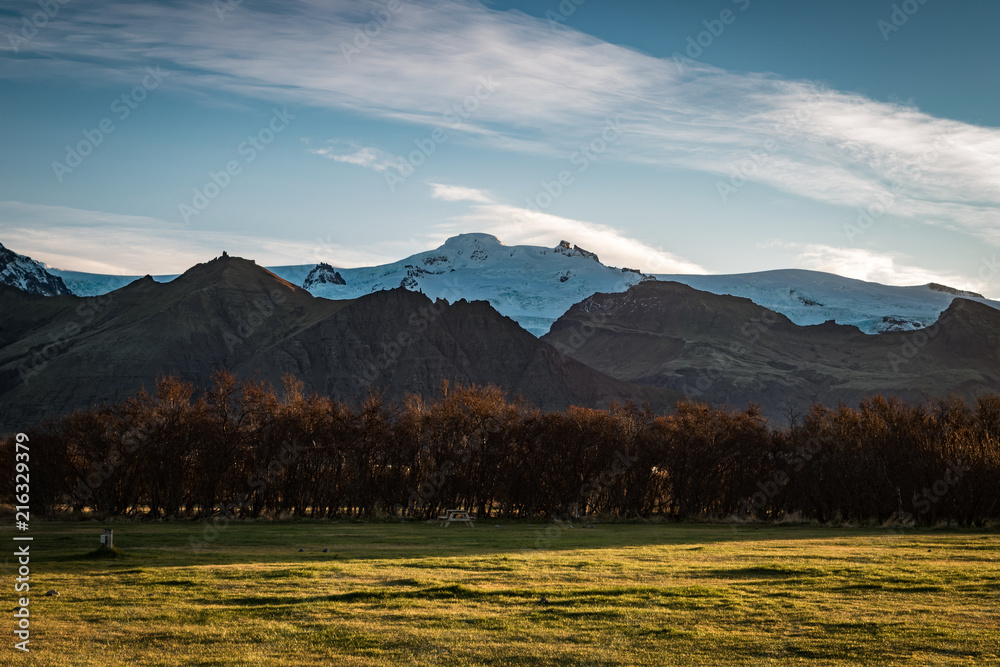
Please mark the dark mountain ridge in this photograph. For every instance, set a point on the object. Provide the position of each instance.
(58, 354)
(728, 350)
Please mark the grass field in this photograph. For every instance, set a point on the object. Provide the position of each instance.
(417, 594)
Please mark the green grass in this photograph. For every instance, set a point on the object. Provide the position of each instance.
(416, 594)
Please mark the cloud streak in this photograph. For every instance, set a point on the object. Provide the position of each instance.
(558, 88)
(884, 268)
(113, 244)
(520, 226)
(362, 156)
(459, 193)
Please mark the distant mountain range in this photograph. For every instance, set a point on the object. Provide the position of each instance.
(534, 285)
(726, 350)
(576, 332)
(812, 297)
(62, 353)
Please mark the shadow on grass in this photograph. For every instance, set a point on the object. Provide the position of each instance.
(105, 553)
(165, 545)
(773, 571)
(544, 598)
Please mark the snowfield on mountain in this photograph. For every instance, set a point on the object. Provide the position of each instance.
(534, 285)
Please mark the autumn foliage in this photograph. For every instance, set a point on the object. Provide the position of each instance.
(247, 451)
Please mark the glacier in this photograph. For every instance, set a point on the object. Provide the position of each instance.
(535, 285)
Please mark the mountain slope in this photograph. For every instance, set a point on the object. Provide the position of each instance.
(95, 284)
(28, 275)
(403, 342)
(535, 285)
(728, 350)
(813, 297)
(70, 352)
(530, 284)
(64, 353)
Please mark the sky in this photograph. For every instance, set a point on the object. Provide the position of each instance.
(725, 136)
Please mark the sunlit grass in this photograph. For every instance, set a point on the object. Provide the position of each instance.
(416, 594)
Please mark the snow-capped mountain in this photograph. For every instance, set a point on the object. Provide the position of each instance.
(323, 274)
(530, 284)
(28, 275)
(535, 285)
(813, 297)
(96, 284)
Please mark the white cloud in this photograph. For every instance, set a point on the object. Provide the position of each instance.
(113, 244)
(459, 193)
(520, 226)
(363, 156)
(549, 90)
(884, 268)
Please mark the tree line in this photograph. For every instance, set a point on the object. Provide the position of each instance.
(242, 449)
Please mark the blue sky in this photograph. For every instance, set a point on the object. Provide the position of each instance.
(707, 136)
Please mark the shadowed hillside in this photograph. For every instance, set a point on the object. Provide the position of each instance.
(63, 353)
(727, 350)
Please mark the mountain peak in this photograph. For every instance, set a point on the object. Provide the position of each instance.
(565, 248)
(220, 263)
(474, 238)
(226, 257)
(323, 274)
(26, 274)
(956, 292)
(236, 272)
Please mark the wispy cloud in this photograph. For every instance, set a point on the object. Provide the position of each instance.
(108, 243)
(885, 268)
(519, 226)
(557, 88)
(363, 156)
(459, 193)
